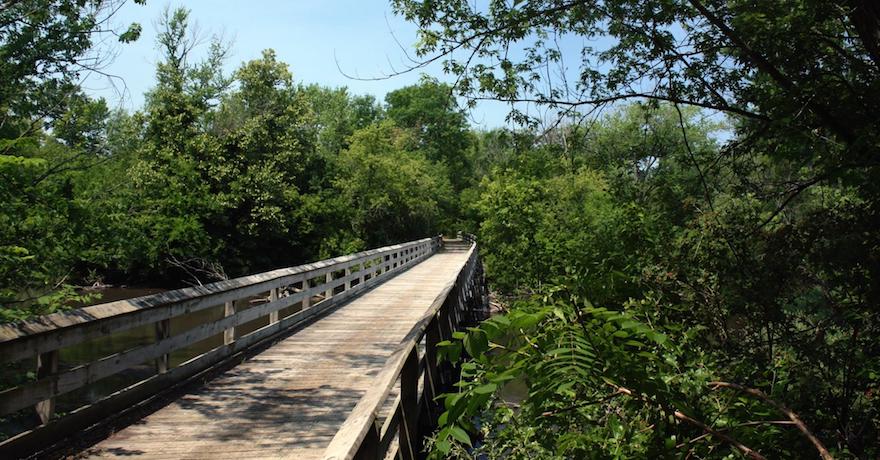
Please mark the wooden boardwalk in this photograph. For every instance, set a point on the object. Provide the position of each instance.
(289, 400)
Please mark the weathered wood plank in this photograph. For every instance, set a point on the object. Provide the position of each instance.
(315, 377)
(47, 363)
(123, 399)
(27, 338)
(53, 385)
(410, 444)
(296, 393)
(345, 443)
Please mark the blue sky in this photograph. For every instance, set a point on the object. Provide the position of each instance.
(311, 36)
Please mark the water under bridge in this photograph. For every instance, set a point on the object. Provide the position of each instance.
(334, 359)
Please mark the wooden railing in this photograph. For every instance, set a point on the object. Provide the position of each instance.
(418, 375)
(312, 287)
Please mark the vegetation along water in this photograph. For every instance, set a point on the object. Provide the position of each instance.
(679, 220)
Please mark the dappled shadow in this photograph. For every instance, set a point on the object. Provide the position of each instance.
(287, 398)
(261, 404)
(113, 451)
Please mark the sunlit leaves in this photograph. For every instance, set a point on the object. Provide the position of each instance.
(566, 357)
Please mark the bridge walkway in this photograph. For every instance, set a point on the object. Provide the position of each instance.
(289, 400)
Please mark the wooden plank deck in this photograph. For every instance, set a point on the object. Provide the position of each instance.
(289, 400)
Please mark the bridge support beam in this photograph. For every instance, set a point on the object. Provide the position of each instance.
(273, 296)
(163, 331)
(307, 300)
(229, 333)
(329, 280)
(408, 434)
(47, 364)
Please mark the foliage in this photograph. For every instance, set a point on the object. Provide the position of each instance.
(721, 226)
(44, 44)
(438, 127)
(765, 242)
(218, 175)
(395, 193)
(640, 240)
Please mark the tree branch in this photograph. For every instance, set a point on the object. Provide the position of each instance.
(823, 452)
(766, 66)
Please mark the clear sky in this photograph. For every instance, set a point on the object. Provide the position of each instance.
(316, 38)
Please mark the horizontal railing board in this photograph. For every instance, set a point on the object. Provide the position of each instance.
(39, 437)
(348, 439)
(50, 332)
(25, 443)
(54, 385)
(53, 321)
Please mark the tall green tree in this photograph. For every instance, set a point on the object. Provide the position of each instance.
(264, 169)
(393, 192)
(48, 131)
(173, 197)
(438, 126)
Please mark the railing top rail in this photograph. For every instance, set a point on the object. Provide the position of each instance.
(20, 330)
(347, 441)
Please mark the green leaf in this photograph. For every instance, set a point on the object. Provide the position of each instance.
(476, 343)
(488, 388)
(459, 435)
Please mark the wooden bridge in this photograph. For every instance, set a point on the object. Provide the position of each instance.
(334, 359)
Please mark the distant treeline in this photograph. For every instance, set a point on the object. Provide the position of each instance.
(689, 272)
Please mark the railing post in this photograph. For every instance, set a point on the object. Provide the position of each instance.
(307, 298)
(163, 331)
(273, 296)
(347, 279)
(229, 333)
(47, 364)
(328, 278)
(369, 448)
(410, 444)
(431, 387)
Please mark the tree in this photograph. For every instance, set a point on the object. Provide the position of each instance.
(392, 191)
(264, 169)
(222, 172)
(780, 255)
(439, 127)
(337, 115)
(171, 197)
(45, 45)
(49, 130)
(726, 56)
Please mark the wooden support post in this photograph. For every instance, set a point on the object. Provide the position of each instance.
(369, 448)
(431, 387)
(448, 326)
(273, 296)
(229, 333)
(347, 281)
(307, 300)
(408, 436)
(47, 364)
(328, 279)
(163, 331)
